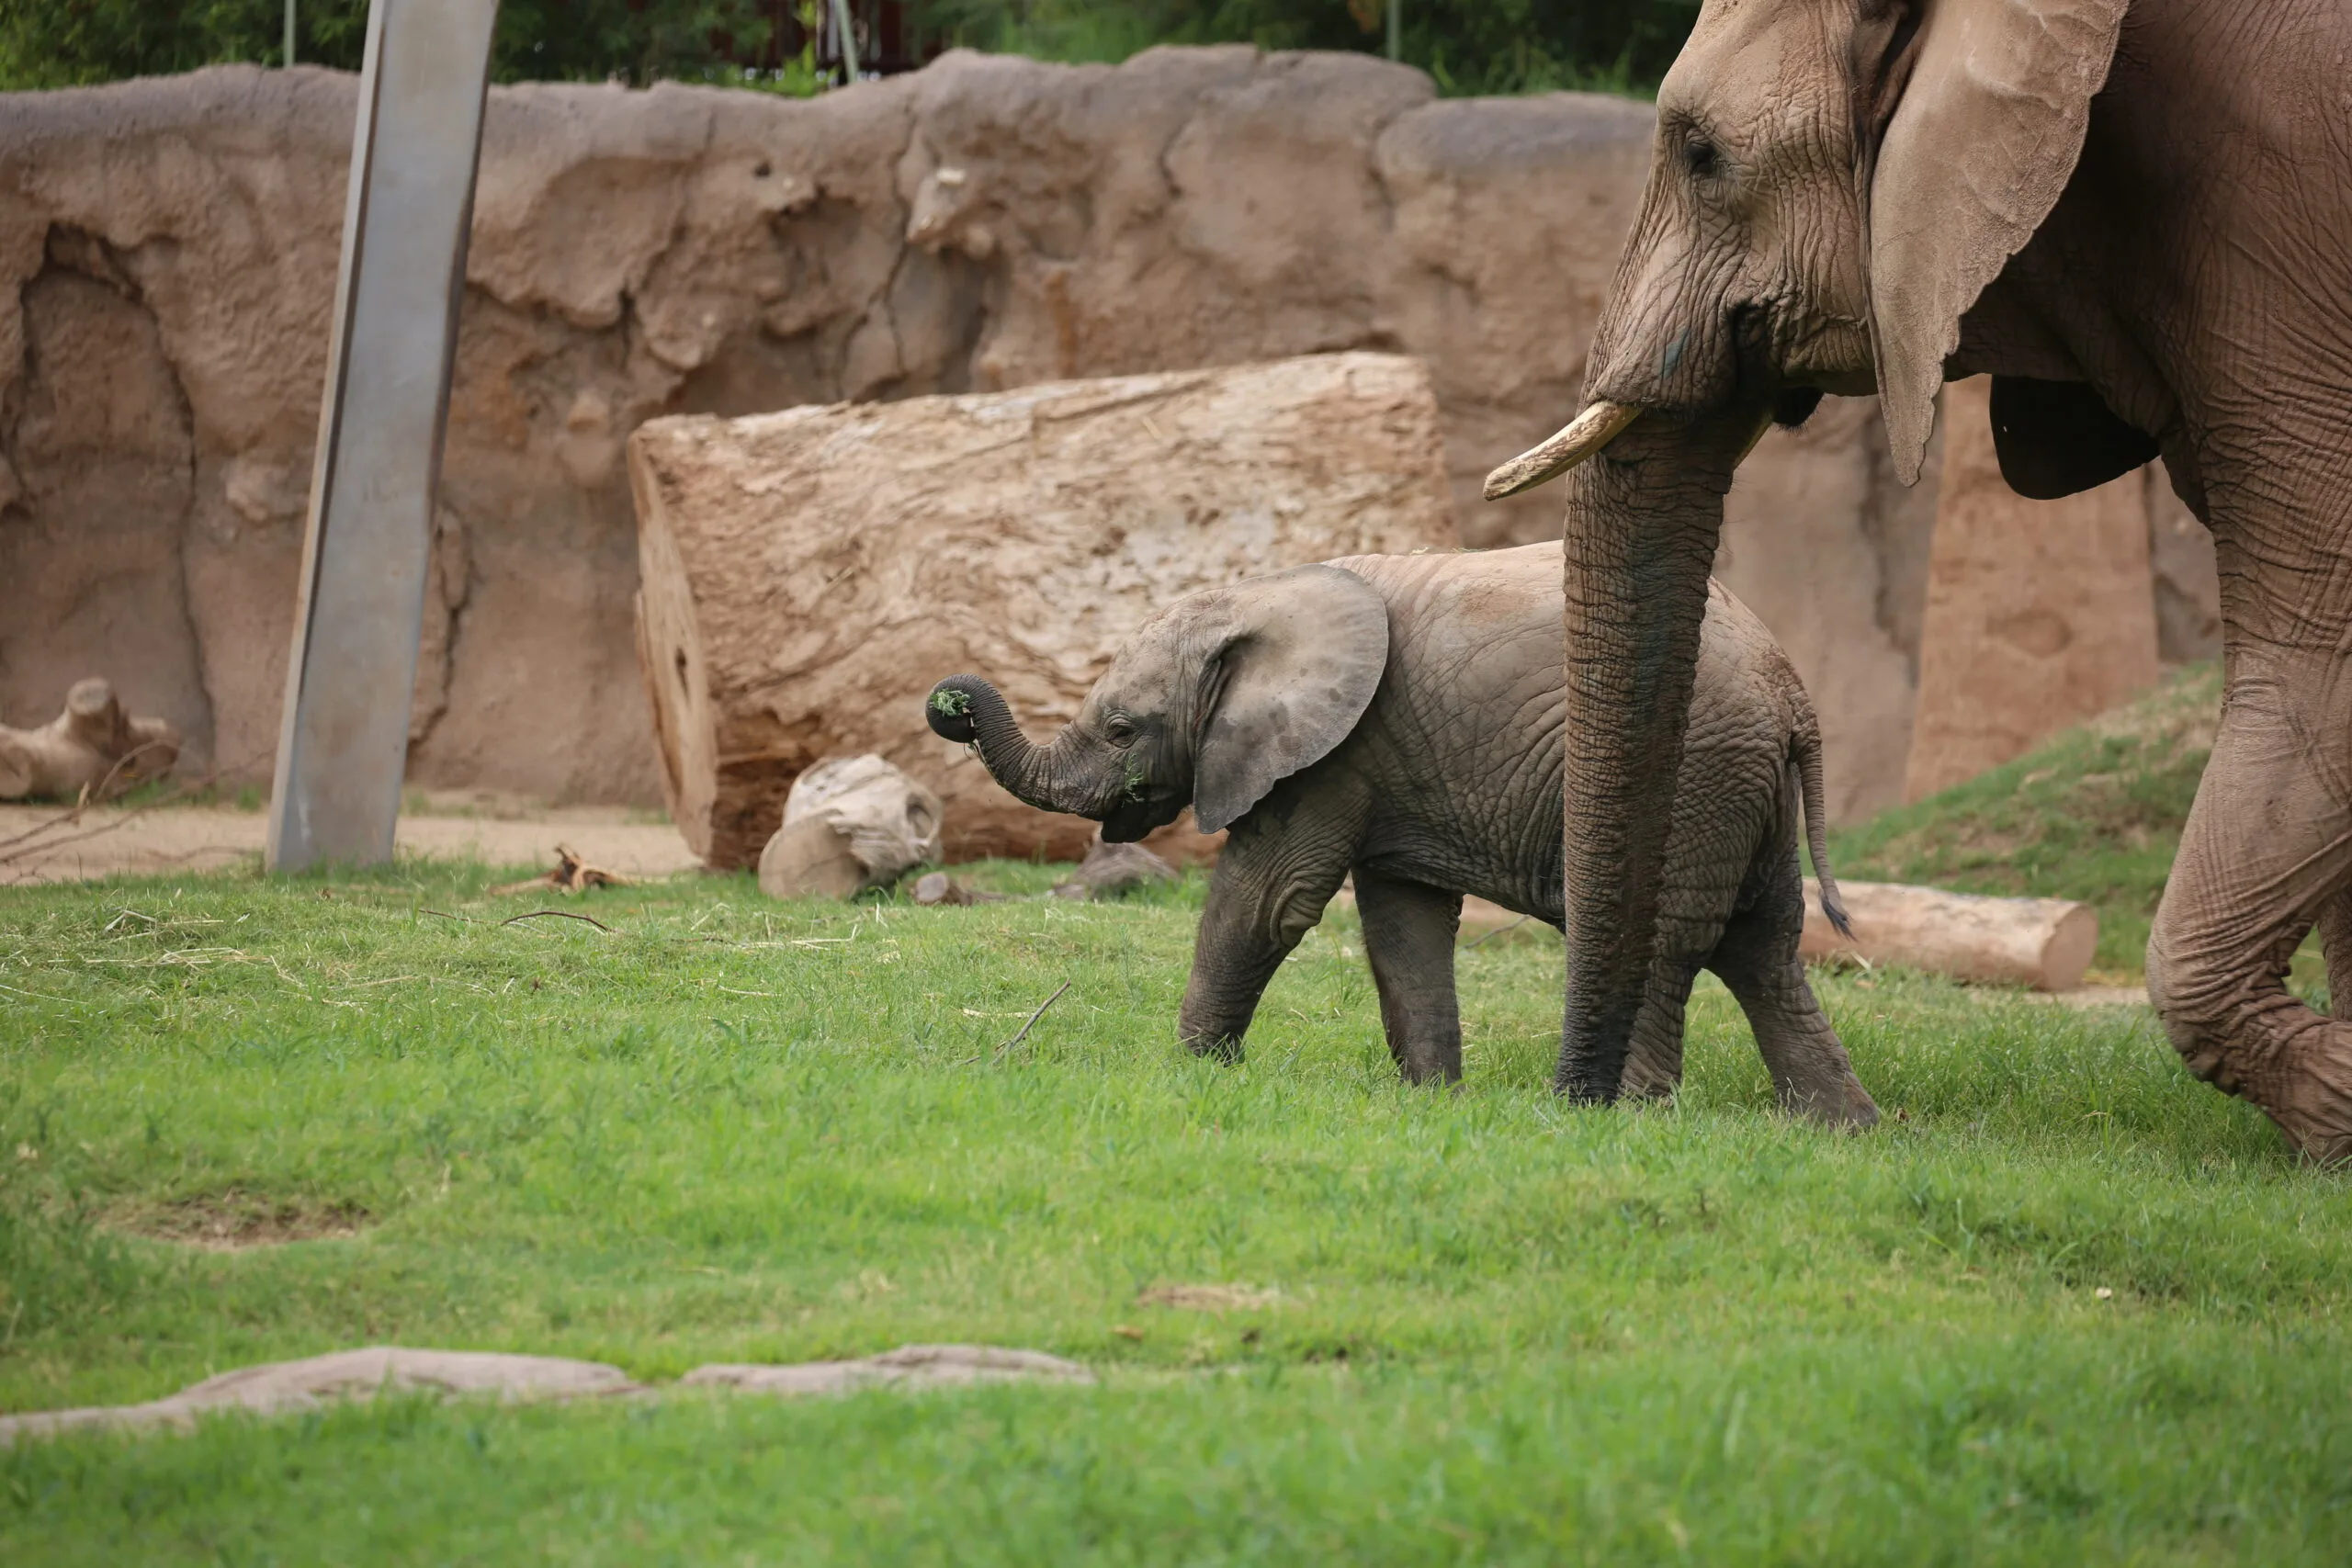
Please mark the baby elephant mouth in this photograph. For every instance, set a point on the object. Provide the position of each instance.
(1130, 821)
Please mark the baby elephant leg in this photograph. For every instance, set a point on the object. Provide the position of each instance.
(1268, 891)
(1408, 932)
(1757, 960)
(1653, 1060)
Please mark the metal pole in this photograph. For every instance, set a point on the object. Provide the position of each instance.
(288, 58)
(344, 744)
(1396, 28)
(848, 40)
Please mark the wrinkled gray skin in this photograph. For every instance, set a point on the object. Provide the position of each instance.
(2136, 216)
(1399, 717)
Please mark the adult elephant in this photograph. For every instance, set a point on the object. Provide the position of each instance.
(2138, 218)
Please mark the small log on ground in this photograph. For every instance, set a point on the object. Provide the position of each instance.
(2045, 944)
(808, 574)
(93, 746)
(1114, 871)
(850, 823)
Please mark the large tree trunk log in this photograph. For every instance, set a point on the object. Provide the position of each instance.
(2042, 943)
(808, 574)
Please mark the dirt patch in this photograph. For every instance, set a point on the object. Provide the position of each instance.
(238, 1221)
(182, 840)
(1208, 1298)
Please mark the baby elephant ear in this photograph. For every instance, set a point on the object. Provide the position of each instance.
(1304, 653)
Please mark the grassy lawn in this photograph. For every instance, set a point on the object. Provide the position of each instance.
(2064, 1305)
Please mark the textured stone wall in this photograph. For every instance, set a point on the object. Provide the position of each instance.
(169, 253)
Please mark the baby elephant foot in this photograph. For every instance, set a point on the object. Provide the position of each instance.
(1843, 1104)
(1218, 1047)
(1440, 1072)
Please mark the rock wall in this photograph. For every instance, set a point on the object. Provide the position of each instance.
(2039, 613)
(169, 253)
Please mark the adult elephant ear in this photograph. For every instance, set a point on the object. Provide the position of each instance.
(1972, 116)
(1301, 652)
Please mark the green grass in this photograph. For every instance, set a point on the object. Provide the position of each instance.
(2094, 814)
(1506, 1329)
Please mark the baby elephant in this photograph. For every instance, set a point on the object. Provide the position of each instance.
(1400, 717)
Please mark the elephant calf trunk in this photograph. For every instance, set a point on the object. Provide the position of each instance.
(969, 711)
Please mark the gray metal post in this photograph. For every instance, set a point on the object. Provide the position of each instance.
(849, 41)
(344, 743)
(1396, 28)
(288, 59)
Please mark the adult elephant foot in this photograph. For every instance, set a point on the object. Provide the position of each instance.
(2294, 1064)
(2269, 842)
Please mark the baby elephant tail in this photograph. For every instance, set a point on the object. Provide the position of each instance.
(1806, 752)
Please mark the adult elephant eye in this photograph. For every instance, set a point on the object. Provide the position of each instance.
(1701, 159)
(1120, 730)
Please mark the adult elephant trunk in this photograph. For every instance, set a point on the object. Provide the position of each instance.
(1058, 776)
(1640, 540)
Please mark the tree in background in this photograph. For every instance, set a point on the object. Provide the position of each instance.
(1469, 46)
(51, 43)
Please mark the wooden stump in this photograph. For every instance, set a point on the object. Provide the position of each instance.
(93, 746)
(2045, 944)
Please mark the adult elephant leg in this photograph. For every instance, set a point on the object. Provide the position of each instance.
(1409, 933)
(2336, 948)
(2267, 853)
(1639, 539)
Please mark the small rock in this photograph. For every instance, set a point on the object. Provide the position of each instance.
(850, 823)
(938, 888)
(276, 1387)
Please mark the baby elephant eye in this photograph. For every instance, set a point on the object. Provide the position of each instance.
(1119, 729)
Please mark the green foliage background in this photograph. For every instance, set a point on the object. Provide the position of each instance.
(55, 43)
(1468, 45)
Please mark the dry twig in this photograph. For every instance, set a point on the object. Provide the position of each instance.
(1034, 1017)
(561, 915)
(572, 873)
(1496, 933)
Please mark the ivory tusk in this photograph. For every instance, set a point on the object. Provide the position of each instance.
(1586, 435)
(1762, 427)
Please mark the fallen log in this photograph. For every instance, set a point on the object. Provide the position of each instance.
(2044, 943)
(808, 574)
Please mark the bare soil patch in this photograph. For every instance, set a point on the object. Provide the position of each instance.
(1208, 1298)
(107, 841)
(238, 1221)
